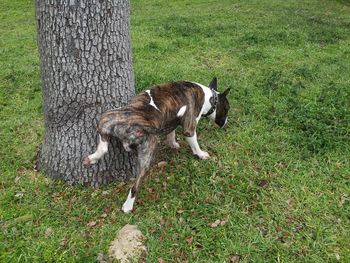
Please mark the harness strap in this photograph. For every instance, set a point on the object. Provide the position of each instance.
(213, 102)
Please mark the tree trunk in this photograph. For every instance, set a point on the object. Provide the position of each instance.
(86, 69)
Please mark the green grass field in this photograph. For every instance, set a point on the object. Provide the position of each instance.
(279, 173)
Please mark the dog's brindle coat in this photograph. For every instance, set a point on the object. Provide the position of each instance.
(159, 111)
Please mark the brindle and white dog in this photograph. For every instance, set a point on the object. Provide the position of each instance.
(158, 111)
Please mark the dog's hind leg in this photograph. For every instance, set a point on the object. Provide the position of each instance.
(145, 155)
(102, 149)
(171, 140)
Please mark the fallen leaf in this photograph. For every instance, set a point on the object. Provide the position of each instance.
(104, 193)
(104, 215)
(215, 223)
(278, 228)
(64, 242)
(92, 223)
(161, 221)
(337, 256)
(254, 203)
(162, 164)
(223, 222)
(101, 258)
(299, 227)
(152, 194)
(218, 222)
(151, 190)
(189, 240)
(17, 179)
(19, 195)
(234, 259)
(160, 260)
(263, 183)
(180, 210)
(283, 237)
(48, 232)
(285, 234)
(127, 246)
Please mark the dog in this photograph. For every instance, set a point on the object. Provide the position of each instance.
(158, 111)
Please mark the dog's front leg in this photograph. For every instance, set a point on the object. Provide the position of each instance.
(192, 141)
(145, 155)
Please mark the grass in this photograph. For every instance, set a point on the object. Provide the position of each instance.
(279, 173)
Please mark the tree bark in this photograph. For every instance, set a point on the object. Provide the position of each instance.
(86, 69)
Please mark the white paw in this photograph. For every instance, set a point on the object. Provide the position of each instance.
(93, 161)
(126, 209)
(129, 204)
(174, 145)
(88, 161)
(202, 155)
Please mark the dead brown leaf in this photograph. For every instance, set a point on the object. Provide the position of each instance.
(218, 222)
(299, 227)
(162, 221)
(189, 240)
(180, 210)
(152, 194)
(92, 223)
(161, 165)
(263, 183)
(223, 222)
(278, 228)
(160, 260)
(234, 259)
(104, 193)
(101, 258)
(104, 215)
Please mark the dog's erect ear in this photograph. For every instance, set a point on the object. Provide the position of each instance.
(213, 84)
(224, 94)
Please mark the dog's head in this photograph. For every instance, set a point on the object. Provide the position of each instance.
(222, 105)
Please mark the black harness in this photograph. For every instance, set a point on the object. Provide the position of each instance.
(213, 102)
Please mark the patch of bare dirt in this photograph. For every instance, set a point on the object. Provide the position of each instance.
(128, 244)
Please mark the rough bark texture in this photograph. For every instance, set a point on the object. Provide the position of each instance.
(86, 69)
